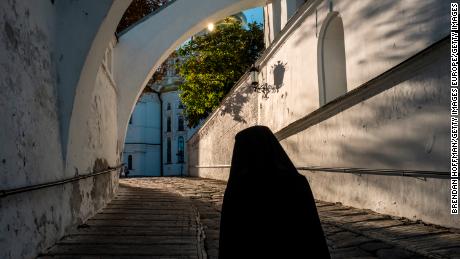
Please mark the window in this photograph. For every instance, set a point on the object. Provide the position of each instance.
(130, 162)
(332, 72)
(276, 8)
(168, 107)
(180, 123)
(168, 151)
(181, 105)
(168, 124)
(292, 6)
(131, 119)
(180, 149)
(109, 60)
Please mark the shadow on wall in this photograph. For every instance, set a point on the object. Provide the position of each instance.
(278, 74)
(233, 105)
(420, 107)
(403, 127)
(419, 140)
(396, 41)
(375, 21)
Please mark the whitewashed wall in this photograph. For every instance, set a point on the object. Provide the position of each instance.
(213, 143)
(32, 72)
(403, 126)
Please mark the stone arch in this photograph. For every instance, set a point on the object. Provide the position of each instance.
(184, 19)
(332, 74)
(138, 52)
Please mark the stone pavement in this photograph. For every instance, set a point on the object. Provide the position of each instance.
(179, 218)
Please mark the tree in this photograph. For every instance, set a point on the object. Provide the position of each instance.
(213, 63)
(137, 10)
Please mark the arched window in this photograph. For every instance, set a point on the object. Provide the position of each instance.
(168, 151)
(130, 162)
(168, 107)
(180, 149)
(168, 124)
(180, 123)
(332, 72)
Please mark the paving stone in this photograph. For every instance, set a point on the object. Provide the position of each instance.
(373, 225)
(374, 246)
(162, 217)
(329, 229)
(450, 252)
(352, 242)
(352, 252)
(394, 253)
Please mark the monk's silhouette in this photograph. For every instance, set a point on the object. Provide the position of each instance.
(268, 209)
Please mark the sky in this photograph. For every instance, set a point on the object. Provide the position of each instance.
(252, 15)
(255, 14)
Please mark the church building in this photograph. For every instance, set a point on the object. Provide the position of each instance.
(157, 130)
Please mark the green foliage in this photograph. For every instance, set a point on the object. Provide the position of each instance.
(137, 10)
(213, 63)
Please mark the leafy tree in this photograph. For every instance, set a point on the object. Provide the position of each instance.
(137, 10)
(213, 63)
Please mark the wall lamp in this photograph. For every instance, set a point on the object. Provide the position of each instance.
(263, 88)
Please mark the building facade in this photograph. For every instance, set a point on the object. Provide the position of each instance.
(157, 130)
(174, 134)
(143, 140)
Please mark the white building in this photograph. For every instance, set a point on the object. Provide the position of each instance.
(159, 108)
(143, 139)
(174, 134)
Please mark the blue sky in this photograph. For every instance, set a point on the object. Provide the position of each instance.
(255, 14)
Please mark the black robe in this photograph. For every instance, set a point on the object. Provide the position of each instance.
(268, 209)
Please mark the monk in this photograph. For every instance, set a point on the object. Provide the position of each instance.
(268, 209)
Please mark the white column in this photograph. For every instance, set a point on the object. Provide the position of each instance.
(268, 26)
(284, 12)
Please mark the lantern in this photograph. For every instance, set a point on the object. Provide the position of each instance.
(254, 76)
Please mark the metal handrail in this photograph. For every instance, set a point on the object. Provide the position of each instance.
(383, 172)
(4, 193)
(362, 171)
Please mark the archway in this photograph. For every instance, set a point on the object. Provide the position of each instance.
(135, 46)
(139, 51)
(332, 73)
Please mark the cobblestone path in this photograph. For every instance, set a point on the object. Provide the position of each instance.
(179, 218)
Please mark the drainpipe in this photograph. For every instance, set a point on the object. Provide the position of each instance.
(161, 130)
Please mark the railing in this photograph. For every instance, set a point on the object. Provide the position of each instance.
(4, 193)
(362, 171)
(383, 172)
